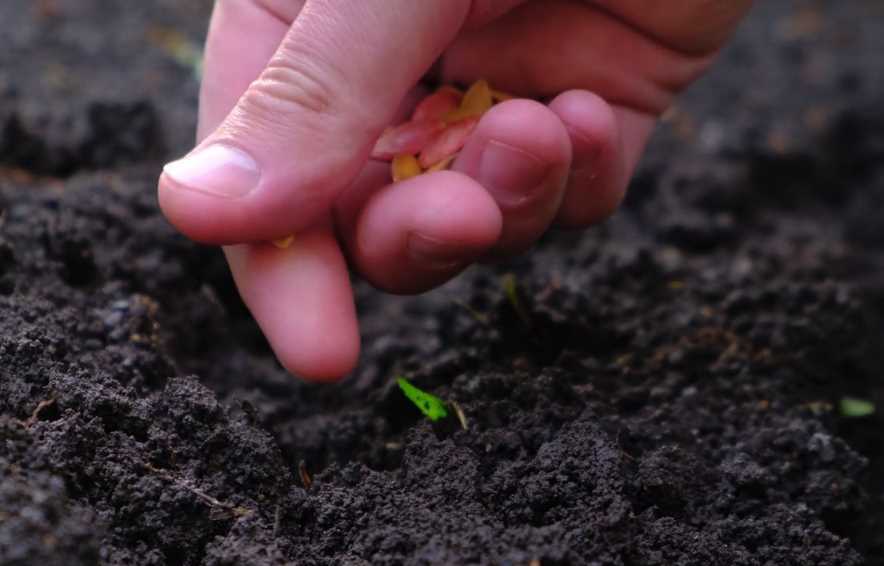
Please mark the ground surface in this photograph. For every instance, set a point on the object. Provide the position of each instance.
(667, 394)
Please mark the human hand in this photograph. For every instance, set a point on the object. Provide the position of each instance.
(295, 94)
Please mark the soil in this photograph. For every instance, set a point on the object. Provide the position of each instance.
(665, 390)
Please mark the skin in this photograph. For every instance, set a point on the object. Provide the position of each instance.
(305, 88)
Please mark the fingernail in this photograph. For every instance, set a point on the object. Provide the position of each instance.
(510, 174)
(430, 253)
(218, 170)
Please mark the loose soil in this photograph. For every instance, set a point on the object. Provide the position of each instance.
(666, 392)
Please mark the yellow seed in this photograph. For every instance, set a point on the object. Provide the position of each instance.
(478, 97)
(476, 101)
(500, 96)
(405, 166)
(283, 243)
(441, 165)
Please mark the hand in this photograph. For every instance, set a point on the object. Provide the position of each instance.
(296, 93)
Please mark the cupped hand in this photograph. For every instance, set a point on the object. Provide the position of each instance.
(296, 93)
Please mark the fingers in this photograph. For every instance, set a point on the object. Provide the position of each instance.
(520, 153)
(416, 234)
(304, 128)
(500, 211)
(509, 179)
(598, 176)
(302, 300)
(674, 23)
(411, 236)
(563, 45)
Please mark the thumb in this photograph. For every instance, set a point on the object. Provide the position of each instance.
(303, 129)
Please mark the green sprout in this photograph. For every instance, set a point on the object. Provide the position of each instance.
(430, 405)
(511, 291)
(851, 407)
(479, 317)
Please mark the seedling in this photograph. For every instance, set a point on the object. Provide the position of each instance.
(479, 317)
(430, 405)
(852, 407)
(433, 407)
(511, 290)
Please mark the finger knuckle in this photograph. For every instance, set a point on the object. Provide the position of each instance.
(293, 86)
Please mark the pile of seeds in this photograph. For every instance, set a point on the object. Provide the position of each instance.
(439, 127)
(437, 131)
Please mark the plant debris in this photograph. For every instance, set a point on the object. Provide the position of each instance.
(306, 479)
(461, 416)
(35, 415)
(213, 502)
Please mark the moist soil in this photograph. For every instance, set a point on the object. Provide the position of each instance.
(662, 389)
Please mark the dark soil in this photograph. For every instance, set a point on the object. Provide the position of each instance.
(672, 397)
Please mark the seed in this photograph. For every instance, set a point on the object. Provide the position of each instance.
(405, 166)
(500, 96)
(441, 165)
(449, 142)
(438, 104)
(476, 101)
(439, 127)
(283, 243)
(410, 137)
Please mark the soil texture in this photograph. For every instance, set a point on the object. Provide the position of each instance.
(663, 389)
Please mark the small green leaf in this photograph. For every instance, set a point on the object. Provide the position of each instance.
(429, 405)
(851, 407)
